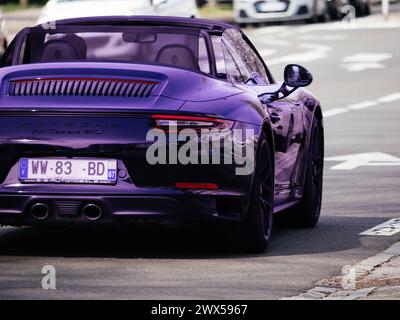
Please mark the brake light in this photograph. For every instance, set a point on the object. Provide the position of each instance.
(166, 122)
(196, 185)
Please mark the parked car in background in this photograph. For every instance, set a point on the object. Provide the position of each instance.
(255, 11)
(65, 9)
(3, 38)
(362, 7)
(201, 3)
(337, 8)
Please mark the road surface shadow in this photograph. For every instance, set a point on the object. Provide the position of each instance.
(332, 234)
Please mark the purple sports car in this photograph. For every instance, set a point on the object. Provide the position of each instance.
(121, 120)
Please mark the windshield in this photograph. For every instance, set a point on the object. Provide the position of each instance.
(176, 47)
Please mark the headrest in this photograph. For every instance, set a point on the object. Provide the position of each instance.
(177, 55)
(69, 47)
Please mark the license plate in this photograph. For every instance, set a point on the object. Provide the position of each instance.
(68, 170)
(273, 6)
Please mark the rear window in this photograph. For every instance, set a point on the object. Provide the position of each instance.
(172, 47)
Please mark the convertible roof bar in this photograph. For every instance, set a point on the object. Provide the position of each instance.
(148, 20)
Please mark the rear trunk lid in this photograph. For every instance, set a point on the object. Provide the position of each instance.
(102, 86)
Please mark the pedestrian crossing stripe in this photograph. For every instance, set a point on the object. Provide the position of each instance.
(389, 228)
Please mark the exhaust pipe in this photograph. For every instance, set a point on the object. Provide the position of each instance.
(40, 211)
(92, 212)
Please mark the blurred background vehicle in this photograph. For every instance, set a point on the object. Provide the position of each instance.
(337, 8)
(64, 9)
(362, 7)
(255, 11)
(3, 38)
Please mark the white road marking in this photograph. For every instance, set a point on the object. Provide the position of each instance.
(361, 66)
(273, 41)
(320, 37)
(315, 52)
(334, 112)
(265, 53)
(369, 159)
(367, 57)
(358, 25)
(387, 228)
(362, 105)
(364, 61)
(269, 30)
(390, 97)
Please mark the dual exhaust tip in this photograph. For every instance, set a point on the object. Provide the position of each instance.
(41, 211)
(92, 212)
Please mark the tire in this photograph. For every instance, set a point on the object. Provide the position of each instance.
(305, 214)
(317, 17)
(313, 19)
(367, 9)
(253, 234)
(333, 13)
(359, 10)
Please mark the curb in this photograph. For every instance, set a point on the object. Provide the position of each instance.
(354, 282)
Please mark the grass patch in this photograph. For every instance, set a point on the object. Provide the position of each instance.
(15, 6)
(219, 12)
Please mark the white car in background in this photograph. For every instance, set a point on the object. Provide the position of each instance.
(3, 38)
(65, 9)
(256, 11)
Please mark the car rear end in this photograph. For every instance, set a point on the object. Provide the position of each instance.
(73, 150)
(77, 104)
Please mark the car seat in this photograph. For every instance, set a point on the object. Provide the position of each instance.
(67, 48)
(177, 55)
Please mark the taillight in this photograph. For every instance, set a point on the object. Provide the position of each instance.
(196, 185)
(180, 122)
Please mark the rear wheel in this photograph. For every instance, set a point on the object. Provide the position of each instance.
(317, 16)
(367, 9)
(306, 213)
(254, 232)
(333, 11)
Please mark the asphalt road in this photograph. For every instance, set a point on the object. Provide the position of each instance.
(357, 76)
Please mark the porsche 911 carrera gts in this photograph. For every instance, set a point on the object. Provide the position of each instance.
(96, 115)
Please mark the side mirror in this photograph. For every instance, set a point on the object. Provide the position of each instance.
(297, 76)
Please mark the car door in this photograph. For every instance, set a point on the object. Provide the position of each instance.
(245, 69)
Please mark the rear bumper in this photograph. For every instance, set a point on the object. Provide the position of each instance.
(68, 209)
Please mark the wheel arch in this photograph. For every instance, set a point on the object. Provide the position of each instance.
(267, 129)
(316, 114)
